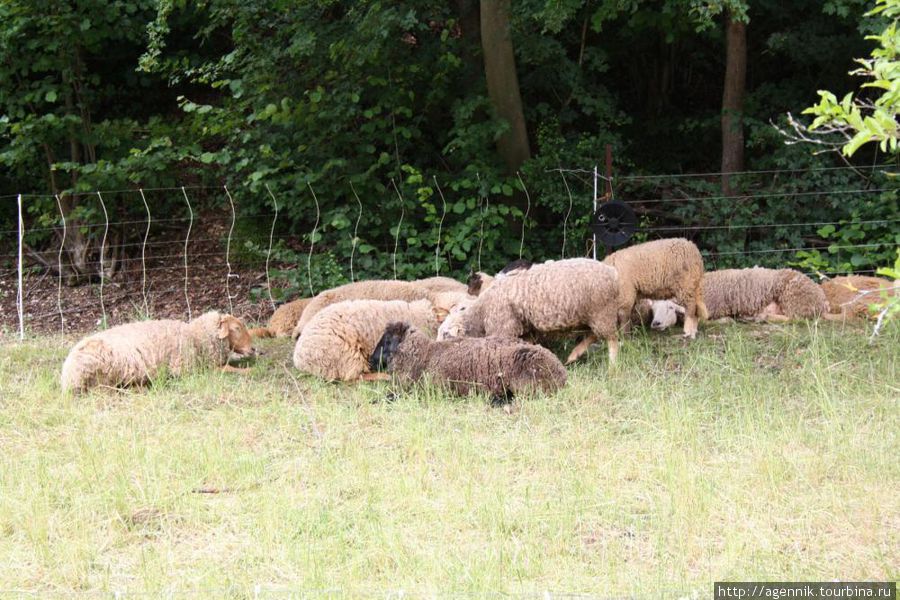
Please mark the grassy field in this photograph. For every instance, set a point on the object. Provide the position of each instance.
(756, 452)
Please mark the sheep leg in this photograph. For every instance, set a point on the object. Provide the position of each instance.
(581, 348)
(690, 319)
(375, 377)
(613, 344)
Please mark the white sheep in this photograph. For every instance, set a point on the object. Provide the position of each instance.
(338, 340)
(136, 353)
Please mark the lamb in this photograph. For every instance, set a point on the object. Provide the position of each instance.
(136, 353)
(377, 289)
(661, 269)
(846, 296)
(500, 366)
(551, 297)
(337, 342)
(283, 320)
(757, 294)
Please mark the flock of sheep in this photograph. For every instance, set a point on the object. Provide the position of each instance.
(487, 336)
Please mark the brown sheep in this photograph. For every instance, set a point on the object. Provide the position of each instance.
(846, 296)
(502, 367)
(758, 294)
(557, 296)
(135, 353)
(283, 320)
(660, 270)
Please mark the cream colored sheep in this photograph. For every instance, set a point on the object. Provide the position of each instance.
(337, 342)
(135, 353)
(502, 367)
(378, 289)
(553, 297)
(661, 269)
(757, 294)
(847, 297)
(283, 320)
(441, 284)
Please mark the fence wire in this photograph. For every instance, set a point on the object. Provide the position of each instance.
(163, 243)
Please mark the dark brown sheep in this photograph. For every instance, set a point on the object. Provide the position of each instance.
(502, 367)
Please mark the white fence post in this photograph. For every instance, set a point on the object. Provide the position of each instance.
(595, 211)
(20, 294)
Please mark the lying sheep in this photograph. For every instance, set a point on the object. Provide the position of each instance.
(757, 294)
(847, 297)
(378, 289)
(661, 269)
(283, 320)
(441, 284)
(338, 340)
(136, 353)
(552, 297)
(501, 367)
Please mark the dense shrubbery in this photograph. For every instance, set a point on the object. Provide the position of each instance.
(350, 99)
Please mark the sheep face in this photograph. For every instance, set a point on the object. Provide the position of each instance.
(393, 336)
(665, 314)
(452, 326)
(239, 341)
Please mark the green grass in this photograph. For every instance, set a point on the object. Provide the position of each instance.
(755, 452)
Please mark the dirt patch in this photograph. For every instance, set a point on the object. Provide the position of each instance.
(160, 278)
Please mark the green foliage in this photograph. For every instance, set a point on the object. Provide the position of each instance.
(860, 119)
(351, 99)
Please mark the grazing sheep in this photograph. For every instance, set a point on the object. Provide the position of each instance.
(500, 366)
(283, 320)
(378, 289)
(846, 296)
(757, 294)
(337, 342)
(552, 297)
(135, 353)
(661, 269)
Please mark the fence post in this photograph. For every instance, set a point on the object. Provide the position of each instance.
(594, 245)
(20, 294)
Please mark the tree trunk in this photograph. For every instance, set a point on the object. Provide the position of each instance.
(503, 82)
(733, 101)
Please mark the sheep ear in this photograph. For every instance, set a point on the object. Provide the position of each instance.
(223, 328)
(440, 313)
(679, 309)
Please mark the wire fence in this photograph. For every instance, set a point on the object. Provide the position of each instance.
(139, 274)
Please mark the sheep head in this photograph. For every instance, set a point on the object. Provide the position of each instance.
(384, 351)
(235, 333)
(665, 314)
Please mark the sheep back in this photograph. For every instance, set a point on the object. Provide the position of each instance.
(376, 289)
(338, 340)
